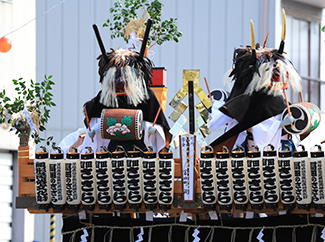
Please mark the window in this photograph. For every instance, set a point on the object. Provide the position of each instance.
(303, 48)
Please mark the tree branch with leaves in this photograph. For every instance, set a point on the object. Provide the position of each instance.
(29, 109)
(129, 10)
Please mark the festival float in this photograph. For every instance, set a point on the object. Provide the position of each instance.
(124, 164)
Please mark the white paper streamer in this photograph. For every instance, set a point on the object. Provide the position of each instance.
(323, 234)
(25, 114)
(213, 215)
(140, 238)
(29, 120)
(83, 237)
(133, 42)
(260, 235)
(196, 232)
(249, 215)
(183, 217)
(82, 214)
(149, 215)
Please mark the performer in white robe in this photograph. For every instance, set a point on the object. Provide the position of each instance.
(125, 77)
(256, 101)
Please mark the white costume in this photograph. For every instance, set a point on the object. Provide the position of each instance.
(156, 140)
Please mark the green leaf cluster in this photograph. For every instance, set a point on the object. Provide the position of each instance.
(111, 121)
(127, 120)
(161, 30)
(37, 98)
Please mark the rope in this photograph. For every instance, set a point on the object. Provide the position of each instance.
(106, 234)
(313, 235)
(194, 226)
(186, 237)
(92, 238)
(250, 235)
(294, 239)
(111, 236)
(233, 236)
(149, 234)
(170, 233)
(274, 235)
(131, 235)
(210, 235)
(72, 238)
(46, 12)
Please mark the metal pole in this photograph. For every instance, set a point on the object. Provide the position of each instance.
(191, 106)
(52, 228)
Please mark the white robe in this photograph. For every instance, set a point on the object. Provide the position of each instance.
(264, 133)
(156, 140)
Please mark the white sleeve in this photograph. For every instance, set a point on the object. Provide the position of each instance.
(98, 140)
(268, 132)
(69, 140)
(156, 140)
(218, 118)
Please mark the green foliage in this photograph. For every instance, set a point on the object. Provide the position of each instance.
(323, 28)
(37, 99)
(161, 31)
(111, 121)
(127, 120)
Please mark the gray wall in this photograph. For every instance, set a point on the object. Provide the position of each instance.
(67, 48)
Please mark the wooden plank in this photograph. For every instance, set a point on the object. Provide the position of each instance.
(27, 189)
(31, 205)
(178, 187)
(23, 154)
(23, 157)
(178, 170)
(26, 202)
(26, 171)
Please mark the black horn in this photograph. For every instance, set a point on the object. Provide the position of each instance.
(100, 42)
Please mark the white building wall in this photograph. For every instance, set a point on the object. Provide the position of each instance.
(67, 47)
(18, 62)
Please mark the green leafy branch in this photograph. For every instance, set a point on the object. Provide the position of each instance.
(37, 99)
(161, 31)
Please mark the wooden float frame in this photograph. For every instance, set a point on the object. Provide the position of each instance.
(26, 196)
